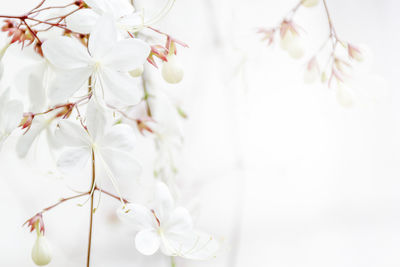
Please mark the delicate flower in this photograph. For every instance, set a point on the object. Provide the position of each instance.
(41, 251)
(11, 112)
(111, 146)
(311, 73)
(168, 228)
(309, 3)
(106, 60)
(121, 11)
(172, 71)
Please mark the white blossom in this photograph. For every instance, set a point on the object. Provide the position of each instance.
(172, 70)
(107, 60)
(167, 227)
(112, 146)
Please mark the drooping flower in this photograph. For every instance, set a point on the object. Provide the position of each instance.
(167, 227)
(121, 12)
(11, 112)
(111, 146)
(106, 60)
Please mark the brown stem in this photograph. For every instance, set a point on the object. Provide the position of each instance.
(91, 209)
(112, 195)
(64, 200)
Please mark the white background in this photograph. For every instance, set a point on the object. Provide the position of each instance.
(281, 173)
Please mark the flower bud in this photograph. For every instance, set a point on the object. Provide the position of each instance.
(311, 73)
(344, 96)
(355, 53)
(172, 71)
(136, 72)
(309, 3)
(291, 42)
(41, 251)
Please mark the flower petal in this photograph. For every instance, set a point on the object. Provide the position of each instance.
(127, 55)
(103, 37)
(138, 216)
(73, 160)
(119, 164)
(14, 110)
(66, 83)
(163, 202)
(179, 221)
(147, 241)
(121, 86)
(82, 21)
(25, 141)
(119, 137)
(66, 53)
(72, 134)
(95, 120)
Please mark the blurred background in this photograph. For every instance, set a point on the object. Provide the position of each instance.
(275, 169)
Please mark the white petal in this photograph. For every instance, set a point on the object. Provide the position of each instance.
(127, 55)
(103, 37)
(73, 160)
(36, 89)
(119, 164)
(13, 110)
(121, 86)
(25, 141)
(66, 53)
(95, 120)
(138, 216)
(82, 21)
(147, 241)
(163, 202)
(191, 245)
(98, 6)
(120, 8)
(72, 134)
(179, 221)
(66, 83)
(119, 137)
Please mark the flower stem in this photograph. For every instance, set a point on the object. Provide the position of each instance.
(91, 210)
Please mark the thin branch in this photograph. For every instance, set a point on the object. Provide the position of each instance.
(91, 209)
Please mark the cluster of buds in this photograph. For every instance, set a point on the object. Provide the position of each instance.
(17, 33)
(41, 250)
(336, 69)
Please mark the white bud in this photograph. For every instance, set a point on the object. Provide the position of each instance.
(344, 96)
(310, 3)
(136, 72)
(41, 251)
(292, 43)
(172, 70)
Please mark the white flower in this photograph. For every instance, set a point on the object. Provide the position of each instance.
(41, 251)
(309, 3)
(172, 70)
(111, 146)
(11, 112)
(121, 11)
(168, 228)
(106, 60)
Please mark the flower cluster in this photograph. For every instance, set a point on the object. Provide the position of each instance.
(88, 93)
(338, 56)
